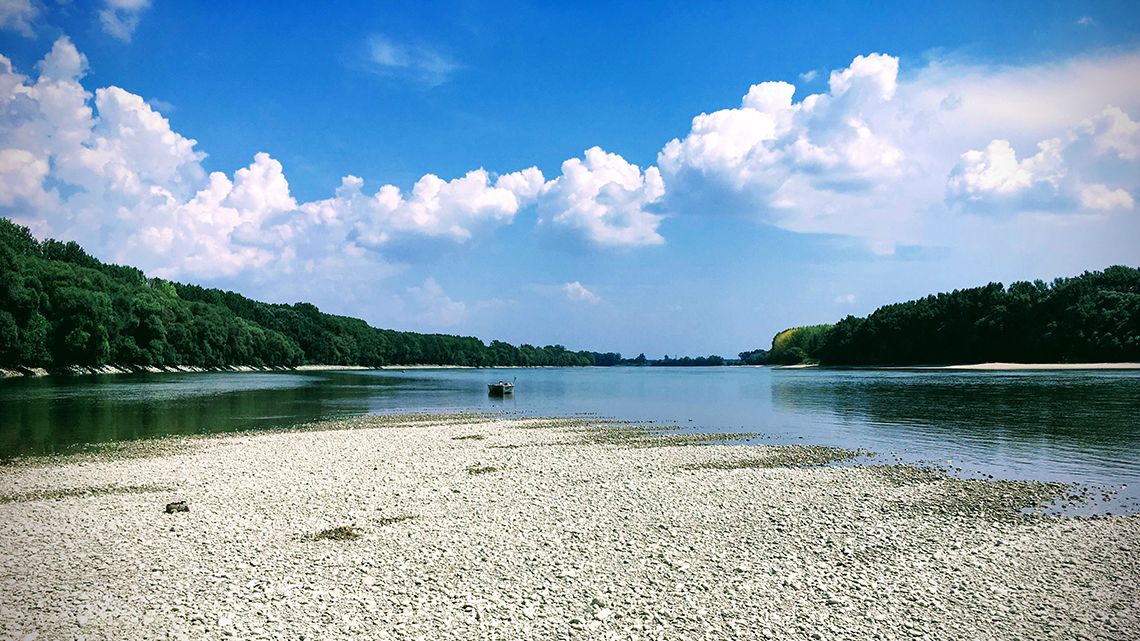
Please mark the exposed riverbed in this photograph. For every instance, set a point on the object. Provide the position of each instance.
(469, 526)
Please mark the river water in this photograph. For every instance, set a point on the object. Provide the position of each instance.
(1073, 426)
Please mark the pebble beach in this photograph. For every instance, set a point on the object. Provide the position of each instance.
(480, 527)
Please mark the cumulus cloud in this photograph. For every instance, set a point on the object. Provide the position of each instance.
(1067, 173)
(17, 15)
(21, 176)
(785, 162)
(577, 293)
(874, 157)
(427, 65)
(769, 137)
(120, 18)
(432, 306)
(451, 210)
(604, 199)
(877, 154)
(106, 167)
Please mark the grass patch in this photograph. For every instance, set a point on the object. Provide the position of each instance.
(79, 492)
(475, 470)
(392, 520)
(945, 495)
(564, 423)
(469, 437)
(783, 456)
(339, 533)
(637, 436)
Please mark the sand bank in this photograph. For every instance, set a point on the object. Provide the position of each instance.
(1041, 366)
(468, 527)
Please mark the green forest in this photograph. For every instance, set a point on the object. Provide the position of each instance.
(60, 306)
(1094, 317)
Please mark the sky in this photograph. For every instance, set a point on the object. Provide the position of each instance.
(664, 177)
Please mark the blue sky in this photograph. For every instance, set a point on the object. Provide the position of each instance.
(638, 178)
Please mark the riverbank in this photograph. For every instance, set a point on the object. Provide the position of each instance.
(986, 367)
(90, 370)
(992, 367)
(463, 527)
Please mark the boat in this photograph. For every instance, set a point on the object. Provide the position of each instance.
(501, 388)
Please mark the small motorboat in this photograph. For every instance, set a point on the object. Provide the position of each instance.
(501, 388)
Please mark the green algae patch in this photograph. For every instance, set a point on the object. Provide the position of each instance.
(639, 436)
(476, 470)
(777, 456)
(339, 533)
(392, 520)
(946, 496)
(79, 492)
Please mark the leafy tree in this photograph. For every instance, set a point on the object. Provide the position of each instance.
(60, 306)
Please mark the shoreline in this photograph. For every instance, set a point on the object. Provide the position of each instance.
(1013, 367)
(987, 367)
(111, 370)
(459, 527)
(107, 370)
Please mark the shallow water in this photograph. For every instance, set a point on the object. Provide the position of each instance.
(1073, 426)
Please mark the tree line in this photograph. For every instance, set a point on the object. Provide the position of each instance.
(1088, 318)
(59, 306)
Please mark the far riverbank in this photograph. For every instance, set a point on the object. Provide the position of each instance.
(987, 367)
(89, 370)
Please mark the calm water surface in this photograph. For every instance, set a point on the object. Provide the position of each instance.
(1065, 425)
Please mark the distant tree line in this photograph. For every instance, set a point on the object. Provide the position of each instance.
(754, 357)
(60, 306)
(612, 358)
(1088, 318)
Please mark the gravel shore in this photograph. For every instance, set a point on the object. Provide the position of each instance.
(482, 528)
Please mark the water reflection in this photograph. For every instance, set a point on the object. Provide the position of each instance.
(1044, 425)
(50, 415)
(1061, 425)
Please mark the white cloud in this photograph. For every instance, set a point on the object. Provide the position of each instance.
(1066, 174)
(1086, 21)
(846, 299)
(605, 200)
(424, 64)
(996, 171)
(575, 292)
(452, 210)
(108, 168)
(63, 63)
(120, 18)
(773, 157)
(1102, 198)
(885, 159)
(873, 156)
(809, 75)
(21, 176)
(434, 307)
(18, 15)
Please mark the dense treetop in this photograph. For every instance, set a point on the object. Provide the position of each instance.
(1088, 318)
(59, 306)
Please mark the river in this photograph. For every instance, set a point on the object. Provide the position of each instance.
(1072, 426)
